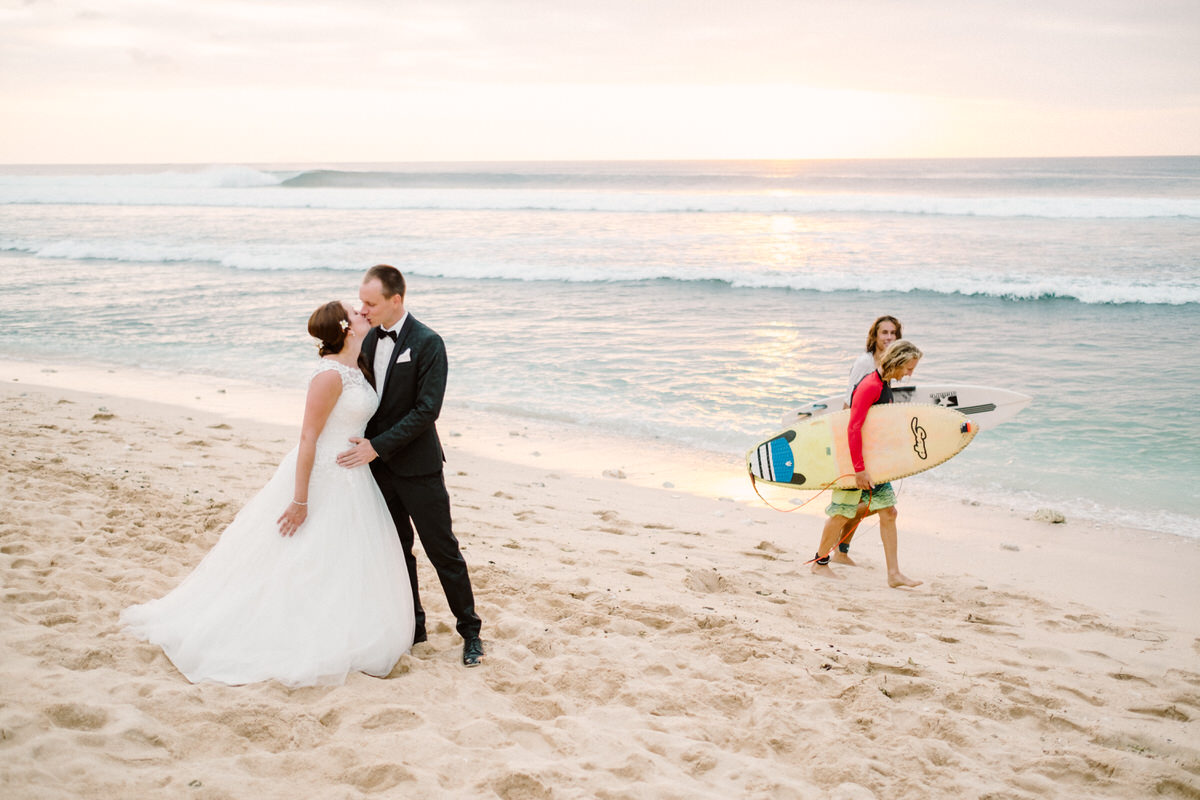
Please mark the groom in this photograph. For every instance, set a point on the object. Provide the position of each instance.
(403, 449)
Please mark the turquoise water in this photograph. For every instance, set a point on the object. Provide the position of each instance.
(689, 302)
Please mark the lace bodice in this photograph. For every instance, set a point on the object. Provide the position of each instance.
(354, 407)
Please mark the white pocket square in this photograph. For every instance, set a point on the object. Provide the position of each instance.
(404, 357)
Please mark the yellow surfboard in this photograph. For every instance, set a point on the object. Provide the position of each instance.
(898, 440)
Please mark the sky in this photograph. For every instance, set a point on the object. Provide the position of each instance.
(305, 81)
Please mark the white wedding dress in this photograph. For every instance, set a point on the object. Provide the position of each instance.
(307, 609)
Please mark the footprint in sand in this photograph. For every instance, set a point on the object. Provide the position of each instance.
(1085, 697)
(1125, 676)
(653, 620)
(480, 733)
(520, 786)
(29, 597)
(89, 660)
(377, 777)
(1167, 712)
(908, 670)
(527, 735)
(898, 690)
(542, 709)
(707, 581)
(398, 719)
(77, 717)
(261, 727)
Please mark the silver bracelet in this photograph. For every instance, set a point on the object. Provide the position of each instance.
(297, 502)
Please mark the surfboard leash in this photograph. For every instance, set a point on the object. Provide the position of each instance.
(826, 487)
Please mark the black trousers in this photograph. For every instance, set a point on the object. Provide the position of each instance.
(422, 502)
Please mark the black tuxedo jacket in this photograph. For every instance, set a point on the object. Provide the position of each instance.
(402, 430)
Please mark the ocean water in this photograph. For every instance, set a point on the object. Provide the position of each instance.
(691, 302)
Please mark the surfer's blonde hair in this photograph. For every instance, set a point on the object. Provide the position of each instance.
(899, 353)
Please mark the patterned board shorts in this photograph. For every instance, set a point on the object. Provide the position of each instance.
(844, 502)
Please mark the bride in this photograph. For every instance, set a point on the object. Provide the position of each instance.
(310, 594)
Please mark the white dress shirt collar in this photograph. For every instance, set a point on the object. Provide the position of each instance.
(399, 324)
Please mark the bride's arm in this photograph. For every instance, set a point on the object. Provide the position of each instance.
(323, 392)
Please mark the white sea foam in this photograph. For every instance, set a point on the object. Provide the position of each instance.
(351, 255)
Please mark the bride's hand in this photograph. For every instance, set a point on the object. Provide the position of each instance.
(291, 519)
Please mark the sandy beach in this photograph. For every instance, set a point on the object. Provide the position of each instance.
(652, 628)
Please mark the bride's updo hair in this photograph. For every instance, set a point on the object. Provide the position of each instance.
(328, 324)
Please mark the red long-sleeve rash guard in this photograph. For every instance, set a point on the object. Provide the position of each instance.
(868, 392)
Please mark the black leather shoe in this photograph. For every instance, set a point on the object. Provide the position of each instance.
(472, 652)
(419, 637)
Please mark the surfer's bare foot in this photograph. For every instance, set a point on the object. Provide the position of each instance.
(897, 579)
(824, 571)
(843, 558)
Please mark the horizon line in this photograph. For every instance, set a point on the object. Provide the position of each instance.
(249, 162)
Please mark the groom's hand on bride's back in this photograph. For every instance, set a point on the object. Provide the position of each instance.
(361, 453)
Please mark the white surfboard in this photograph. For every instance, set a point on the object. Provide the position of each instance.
(986, 406)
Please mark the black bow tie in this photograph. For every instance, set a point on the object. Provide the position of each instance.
(382, 334)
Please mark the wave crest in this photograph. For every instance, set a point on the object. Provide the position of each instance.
(353, 257)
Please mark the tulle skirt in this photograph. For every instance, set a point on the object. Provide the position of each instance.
(303, 610)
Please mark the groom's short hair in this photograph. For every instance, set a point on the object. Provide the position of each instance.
(389, 277)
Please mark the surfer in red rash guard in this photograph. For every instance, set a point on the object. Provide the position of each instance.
(883, 332)
(898, 361)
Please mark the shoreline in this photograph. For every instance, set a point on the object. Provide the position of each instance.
(643, 640)
(672, 471)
